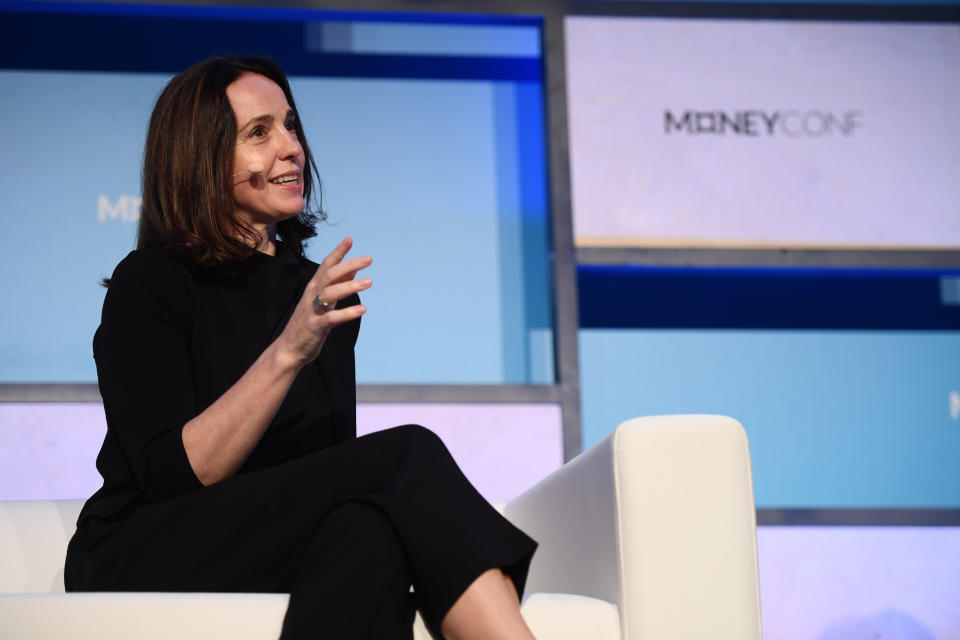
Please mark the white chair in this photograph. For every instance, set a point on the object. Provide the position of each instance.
(649, 535)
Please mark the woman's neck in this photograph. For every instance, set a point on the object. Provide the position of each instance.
(268, 239)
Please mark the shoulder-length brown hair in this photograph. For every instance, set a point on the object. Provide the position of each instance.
(187, 178)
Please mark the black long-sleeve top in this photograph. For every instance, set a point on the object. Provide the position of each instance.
(173, 339)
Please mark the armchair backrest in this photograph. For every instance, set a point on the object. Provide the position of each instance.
(659, 520)
(687, 529)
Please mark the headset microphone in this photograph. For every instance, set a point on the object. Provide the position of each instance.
(254, 168)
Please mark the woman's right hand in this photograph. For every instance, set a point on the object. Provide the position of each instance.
(335, 279)
(221, 438)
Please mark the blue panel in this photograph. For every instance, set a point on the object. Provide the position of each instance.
(521, 182)
(425, 39)
(836, 419)
(847, 381)
(409, 170)
(73, 193)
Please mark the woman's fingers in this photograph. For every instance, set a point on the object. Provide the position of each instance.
(334, 280)
(345, 270)
(337, 292)
(338, 253)
(334, 264)
(307, 330)
(340, 316)
(333, 294)
(333, 258)
(329, 271)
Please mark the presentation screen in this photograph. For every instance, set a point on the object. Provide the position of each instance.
(847, 382)
(429, 137)
(731, 133)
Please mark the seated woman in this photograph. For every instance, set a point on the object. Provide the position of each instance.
(225, 362)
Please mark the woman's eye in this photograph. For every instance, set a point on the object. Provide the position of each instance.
(258, 132)
(291, 126)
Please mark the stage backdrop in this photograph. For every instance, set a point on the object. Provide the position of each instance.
(429, 138)
(740, 133)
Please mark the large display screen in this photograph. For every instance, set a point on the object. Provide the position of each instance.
(847, 382)
(764, 133)
(429, 138)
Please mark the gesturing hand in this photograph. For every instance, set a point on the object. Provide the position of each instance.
(335, 279)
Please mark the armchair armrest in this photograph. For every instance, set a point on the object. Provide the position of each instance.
(659, 519)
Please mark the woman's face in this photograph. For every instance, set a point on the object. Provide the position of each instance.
(265, 136)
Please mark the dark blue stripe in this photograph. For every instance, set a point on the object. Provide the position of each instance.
(265, 13)
(750, 298)
(893, 11)
(70, 42)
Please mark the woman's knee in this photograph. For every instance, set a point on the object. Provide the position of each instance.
(419, 438)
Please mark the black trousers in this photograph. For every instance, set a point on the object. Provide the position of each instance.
(345, 531)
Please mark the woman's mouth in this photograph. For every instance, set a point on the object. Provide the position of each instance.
(292, 178)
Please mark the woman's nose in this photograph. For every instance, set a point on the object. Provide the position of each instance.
(290, 146)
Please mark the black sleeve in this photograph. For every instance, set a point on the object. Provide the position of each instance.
(142, 351)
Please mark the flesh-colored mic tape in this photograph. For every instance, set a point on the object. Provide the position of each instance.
(253, 169)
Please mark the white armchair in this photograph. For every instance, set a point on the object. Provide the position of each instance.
(649, 535)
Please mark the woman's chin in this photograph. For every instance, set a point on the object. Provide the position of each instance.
(288, 209)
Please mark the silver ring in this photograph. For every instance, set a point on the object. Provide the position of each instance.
(321, 306)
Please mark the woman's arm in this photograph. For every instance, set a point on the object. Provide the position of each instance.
(220, 439)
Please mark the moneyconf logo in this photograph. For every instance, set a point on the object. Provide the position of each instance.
(790, 123)
(126, 208)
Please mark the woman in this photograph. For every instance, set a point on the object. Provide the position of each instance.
(225, 362)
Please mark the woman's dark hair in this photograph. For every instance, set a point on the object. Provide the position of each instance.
(188, 162)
